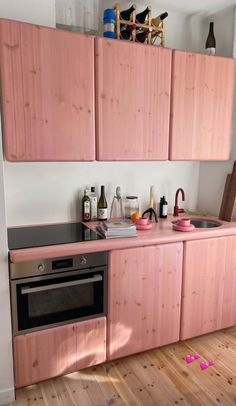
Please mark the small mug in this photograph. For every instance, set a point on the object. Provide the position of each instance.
(184, 222)
(142, 221)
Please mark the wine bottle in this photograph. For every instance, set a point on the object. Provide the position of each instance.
(94, 204)
(157, 21)
(141, 17)
(211, 41)
(126, 30)
(102, 205)
(163, 207)
(141, 36)
(86, 206)
(126, 14)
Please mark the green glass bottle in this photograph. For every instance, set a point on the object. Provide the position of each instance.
(86, 207)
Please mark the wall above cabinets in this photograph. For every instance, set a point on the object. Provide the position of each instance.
(48, 98)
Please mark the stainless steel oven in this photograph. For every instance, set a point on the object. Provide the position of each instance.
(57, 291)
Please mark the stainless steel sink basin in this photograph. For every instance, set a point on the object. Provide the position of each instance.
(203, 223)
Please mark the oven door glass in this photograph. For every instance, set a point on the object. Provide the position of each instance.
(60, 298)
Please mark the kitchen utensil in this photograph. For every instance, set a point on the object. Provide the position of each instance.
(147, 226)
(151, 212)
(229, 196)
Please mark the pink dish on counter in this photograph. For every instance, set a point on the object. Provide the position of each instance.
(178, 227)
(141, 221)
(147, 226)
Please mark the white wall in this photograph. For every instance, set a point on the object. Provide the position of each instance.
(6, 370)
(41, 12)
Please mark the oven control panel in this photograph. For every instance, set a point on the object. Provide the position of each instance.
(54, 265)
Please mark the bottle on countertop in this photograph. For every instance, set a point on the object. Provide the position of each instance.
(163, 208)
(102, 205)
(211, 41)
(94, 204)
(86, 206)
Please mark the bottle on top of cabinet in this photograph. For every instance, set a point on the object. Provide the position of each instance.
(163, 208)
(86, 206)
(102, 205)
(94, 204)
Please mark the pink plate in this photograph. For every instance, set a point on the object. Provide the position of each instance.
(176, 227)
(144, 226)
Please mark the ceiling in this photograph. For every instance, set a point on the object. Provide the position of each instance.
(196, 6)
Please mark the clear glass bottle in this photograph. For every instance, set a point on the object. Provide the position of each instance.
(94, 204)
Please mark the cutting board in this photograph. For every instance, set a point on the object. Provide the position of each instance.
(229, 196)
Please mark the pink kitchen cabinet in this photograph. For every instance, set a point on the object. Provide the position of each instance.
(209, 286)
(58, 351)
(132, 101)
(47, 93)
(201, 106)
(144, 298)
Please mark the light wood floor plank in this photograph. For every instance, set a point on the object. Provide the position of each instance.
(158, 377)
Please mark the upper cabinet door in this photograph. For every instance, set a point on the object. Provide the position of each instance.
(47, 93)
(132, 100)
(201, 107)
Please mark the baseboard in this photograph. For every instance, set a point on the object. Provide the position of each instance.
(7, 396)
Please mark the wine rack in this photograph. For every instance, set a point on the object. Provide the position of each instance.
(152, 32)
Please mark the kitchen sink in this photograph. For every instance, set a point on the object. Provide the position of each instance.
(203, 223)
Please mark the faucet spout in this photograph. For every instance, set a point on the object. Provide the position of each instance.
(176, 207)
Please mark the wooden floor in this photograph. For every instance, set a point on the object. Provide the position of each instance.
(157, 377)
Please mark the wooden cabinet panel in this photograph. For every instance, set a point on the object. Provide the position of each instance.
(144, 298)
(91, 342)
(47, 93)
(209, 286)
(58, 351)
(132, 100)
(201, 106)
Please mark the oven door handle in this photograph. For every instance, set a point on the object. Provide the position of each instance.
(96, 278)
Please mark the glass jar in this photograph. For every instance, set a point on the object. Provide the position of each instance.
(131, 206)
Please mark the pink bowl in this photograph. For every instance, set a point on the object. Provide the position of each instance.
(183, 222)
(143, 221)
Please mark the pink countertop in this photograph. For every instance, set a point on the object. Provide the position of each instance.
(161, 233)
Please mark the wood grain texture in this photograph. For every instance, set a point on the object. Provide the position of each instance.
(47, 93)
(154, 378)
(144, 298)
(132, 100)
(201, 107)
(160, 233)
(209, 286)
(57, 351)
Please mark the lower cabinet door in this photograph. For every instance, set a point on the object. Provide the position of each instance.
(209, 286)
(144, 298)
(58, 351)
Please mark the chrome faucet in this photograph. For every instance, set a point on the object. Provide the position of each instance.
(176, 207)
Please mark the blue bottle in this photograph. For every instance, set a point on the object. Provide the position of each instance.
(109, 20)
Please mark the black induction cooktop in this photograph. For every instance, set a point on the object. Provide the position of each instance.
(52, 234)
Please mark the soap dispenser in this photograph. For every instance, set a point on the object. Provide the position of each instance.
(163, 208)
